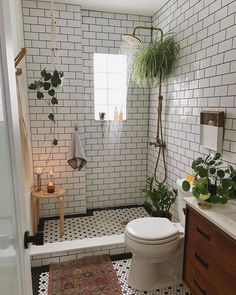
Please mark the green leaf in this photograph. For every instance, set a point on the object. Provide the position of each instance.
(186, 186)
(55, 81)
(197, 162)
(221, 173)
(226, 183)
(215, 199)
(232, 170)
(47, 77)
(55, 141)
(203, 190)
(51, 117)
(56, 73)
(212, 170)
(32, 86)
(43, 73)
(202, 172)
(195, 192)
(54, 101)
(46, 85)
(217, 156)
(40, 94)
(51, 92)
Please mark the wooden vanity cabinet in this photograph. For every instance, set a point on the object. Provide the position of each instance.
(209, 257)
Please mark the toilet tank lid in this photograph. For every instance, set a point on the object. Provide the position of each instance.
(151, 228)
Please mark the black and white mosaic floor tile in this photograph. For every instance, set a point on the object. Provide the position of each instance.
(122, 268)
(101, 223)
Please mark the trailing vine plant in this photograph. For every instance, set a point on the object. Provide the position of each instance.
(48, 83)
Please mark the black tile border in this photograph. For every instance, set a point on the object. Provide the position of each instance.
(36, 272)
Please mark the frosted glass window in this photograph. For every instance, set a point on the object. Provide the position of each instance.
(110, 85)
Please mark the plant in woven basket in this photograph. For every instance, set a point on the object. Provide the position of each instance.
(159, 198)
(155, 63)
(47, 85)
(214, 183)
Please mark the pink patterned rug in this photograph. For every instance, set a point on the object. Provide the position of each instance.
(94, 275)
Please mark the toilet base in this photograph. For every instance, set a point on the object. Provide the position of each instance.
(144, 274)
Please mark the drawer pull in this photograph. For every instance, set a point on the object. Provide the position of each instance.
(203, 291)
(201, 232)
(201, 260)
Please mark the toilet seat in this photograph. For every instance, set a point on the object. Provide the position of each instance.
(152, 230)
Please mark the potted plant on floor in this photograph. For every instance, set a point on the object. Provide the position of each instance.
(159, 198)
(214, 183)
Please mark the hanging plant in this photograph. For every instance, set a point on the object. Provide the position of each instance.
(48, 83)
(154, 64)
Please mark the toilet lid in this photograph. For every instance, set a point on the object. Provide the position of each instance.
(151, 228)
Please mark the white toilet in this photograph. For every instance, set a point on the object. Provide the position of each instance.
(157, 247)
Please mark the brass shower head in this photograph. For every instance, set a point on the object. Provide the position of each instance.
(132, 40)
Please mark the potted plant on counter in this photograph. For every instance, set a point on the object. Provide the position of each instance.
(214, 183)
(159, 198)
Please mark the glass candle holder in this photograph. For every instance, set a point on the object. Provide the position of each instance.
(51, 185)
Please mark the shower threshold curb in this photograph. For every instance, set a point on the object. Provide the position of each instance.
(84, 244)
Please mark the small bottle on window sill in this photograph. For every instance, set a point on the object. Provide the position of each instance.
(120, 116)
(116, 115)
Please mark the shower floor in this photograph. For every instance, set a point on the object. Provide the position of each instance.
(40, 282)
(97, 223)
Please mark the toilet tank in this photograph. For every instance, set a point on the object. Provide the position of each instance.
(180, 200)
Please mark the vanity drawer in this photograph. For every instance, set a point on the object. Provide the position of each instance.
(198, 283)
(212, 268)
(201, 232)
(209, 253)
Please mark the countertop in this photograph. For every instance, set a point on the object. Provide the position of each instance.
(222, 215)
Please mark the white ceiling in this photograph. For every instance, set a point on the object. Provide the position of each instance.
(139, 7)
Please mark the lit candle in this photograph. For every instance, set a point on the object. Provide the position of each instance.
(39, 170)
(51, 187)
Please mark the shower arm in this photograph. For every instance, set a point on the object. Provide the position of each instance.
(148, 28)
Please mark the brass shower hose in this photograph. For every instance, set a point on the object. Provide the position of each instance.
(159, 143)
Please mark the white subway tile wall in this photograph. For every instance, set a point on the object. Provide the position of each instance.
(204, 79)
(116, 168)
(37, 27)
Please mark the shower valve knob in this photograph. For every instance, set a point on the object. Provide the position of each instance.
(157, 144)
